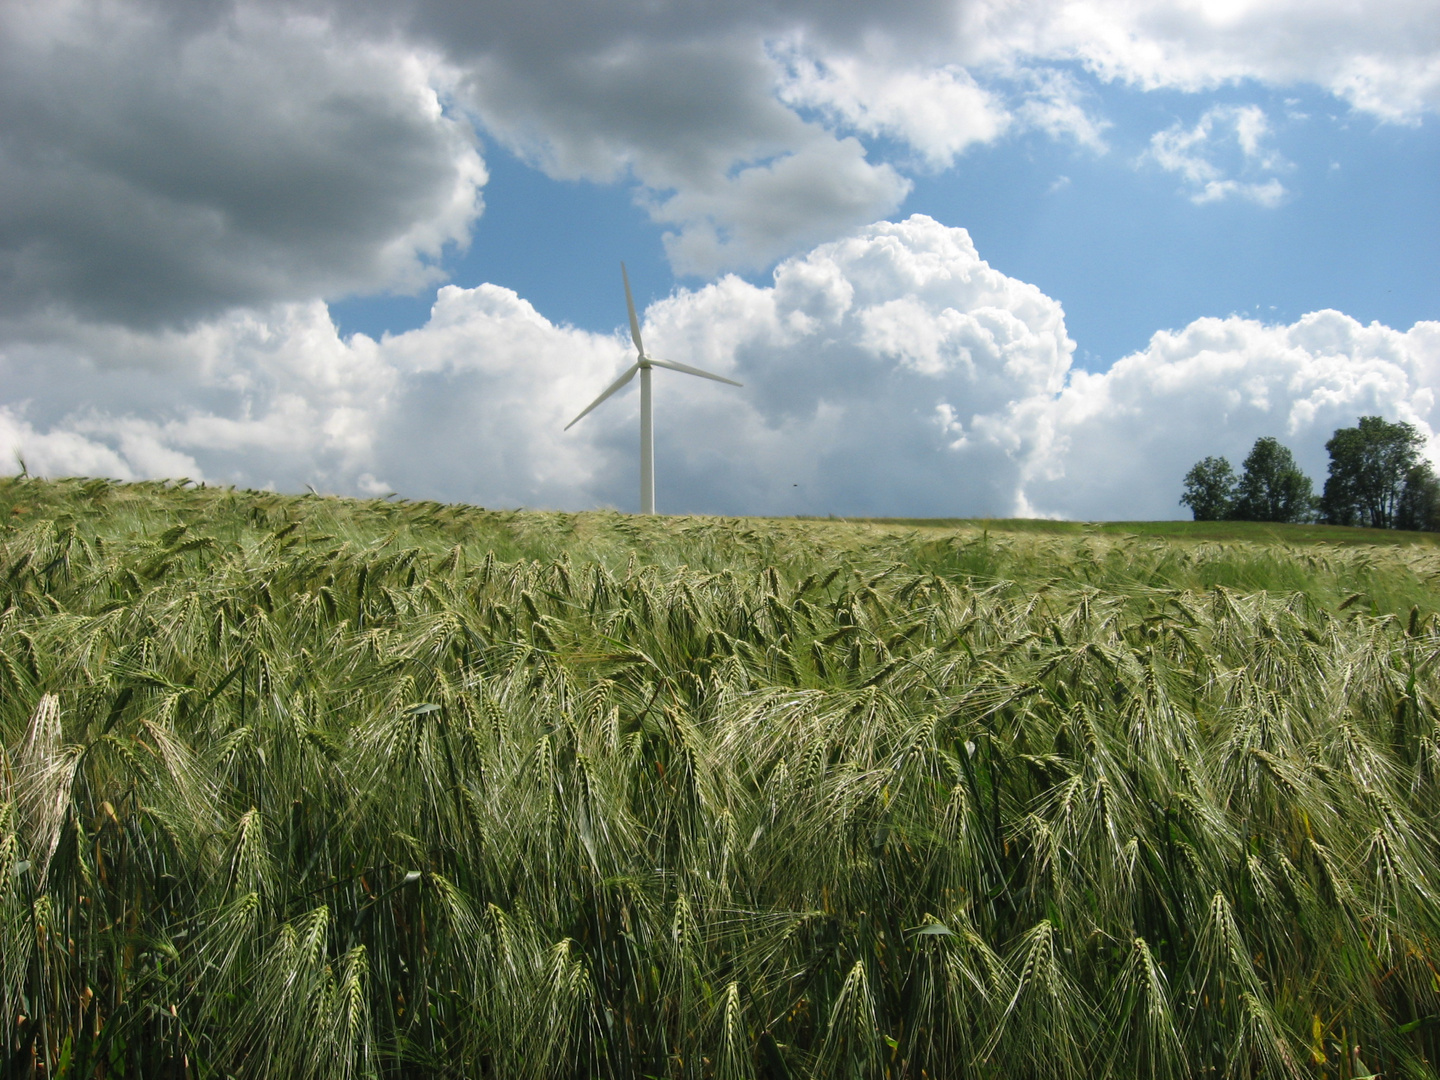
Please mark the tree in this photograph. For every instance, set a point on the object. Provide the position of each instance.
(1370, 465)
(1420, 501)
(1210, 489)
(1272, 487)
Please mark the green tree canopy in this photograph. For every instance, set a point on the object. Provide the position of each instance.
(1420, 500)
(1272, 487)
(1210, 489)
(1369, 467)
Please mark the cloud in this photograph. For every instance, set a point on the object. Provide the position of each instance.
(709, 110)
(1116, 444)
(1054, 102)
(701, 107)
(642, 87)
(165, 161)
(1191, 153)
(162, 166)
(764, 211)
(845, 358)
(468, 407)
(740, 178)
(937, 111)
(1382, 59)
(889, 372)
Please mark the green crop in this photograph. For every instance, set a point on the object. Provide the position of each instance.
(305, 787)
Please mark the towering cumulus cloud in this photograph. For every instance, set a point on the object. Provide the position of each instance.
(1116, 444)
(889, 372)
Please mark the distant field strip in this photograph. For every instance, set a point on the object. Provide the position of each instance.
(307, 787)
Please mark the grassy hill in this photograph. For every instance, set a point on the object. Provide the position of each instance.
(303, 786)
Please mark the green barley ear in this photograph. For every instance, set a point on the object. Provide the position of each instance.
(1139, 1032)
(1045, 998)
(44, 773)
(851, 1046)
(733, 1058)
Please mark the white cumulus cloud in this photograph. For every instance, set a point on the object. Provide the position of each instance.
(1116, 444)
(889, 372)
(763, 211)
(938, 111)
(1381, 58)
(1240, 130)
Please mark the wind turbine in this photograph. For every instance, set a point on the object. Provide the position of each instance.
(643, 363)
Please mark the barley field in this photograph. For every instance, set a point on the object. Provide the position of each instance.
(303, 787)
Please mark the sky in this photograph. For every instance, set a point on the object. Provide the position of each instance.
(968, 257)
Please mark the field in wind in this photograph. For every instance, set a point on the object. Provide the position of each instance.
(304, 787)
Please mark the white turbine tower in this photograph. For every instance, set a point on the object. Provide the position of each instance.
(643, 364)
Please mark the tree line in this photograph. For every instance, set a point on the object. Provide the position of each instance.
(1378, 478)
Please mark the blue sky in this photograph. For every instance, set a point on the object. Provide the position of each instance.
(372, 247)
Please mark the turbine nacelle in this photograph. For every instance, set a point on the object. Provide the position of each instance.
(643, 365)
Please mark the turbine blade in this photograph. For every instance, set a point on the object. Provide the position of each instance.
(616, 385)
(630, 304)
(688, 370)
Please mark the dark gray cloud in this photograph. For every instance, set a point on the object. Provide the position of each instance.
(679, 99)
(161, 166)
(547, 28)
(165, 160)
(696, 122)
